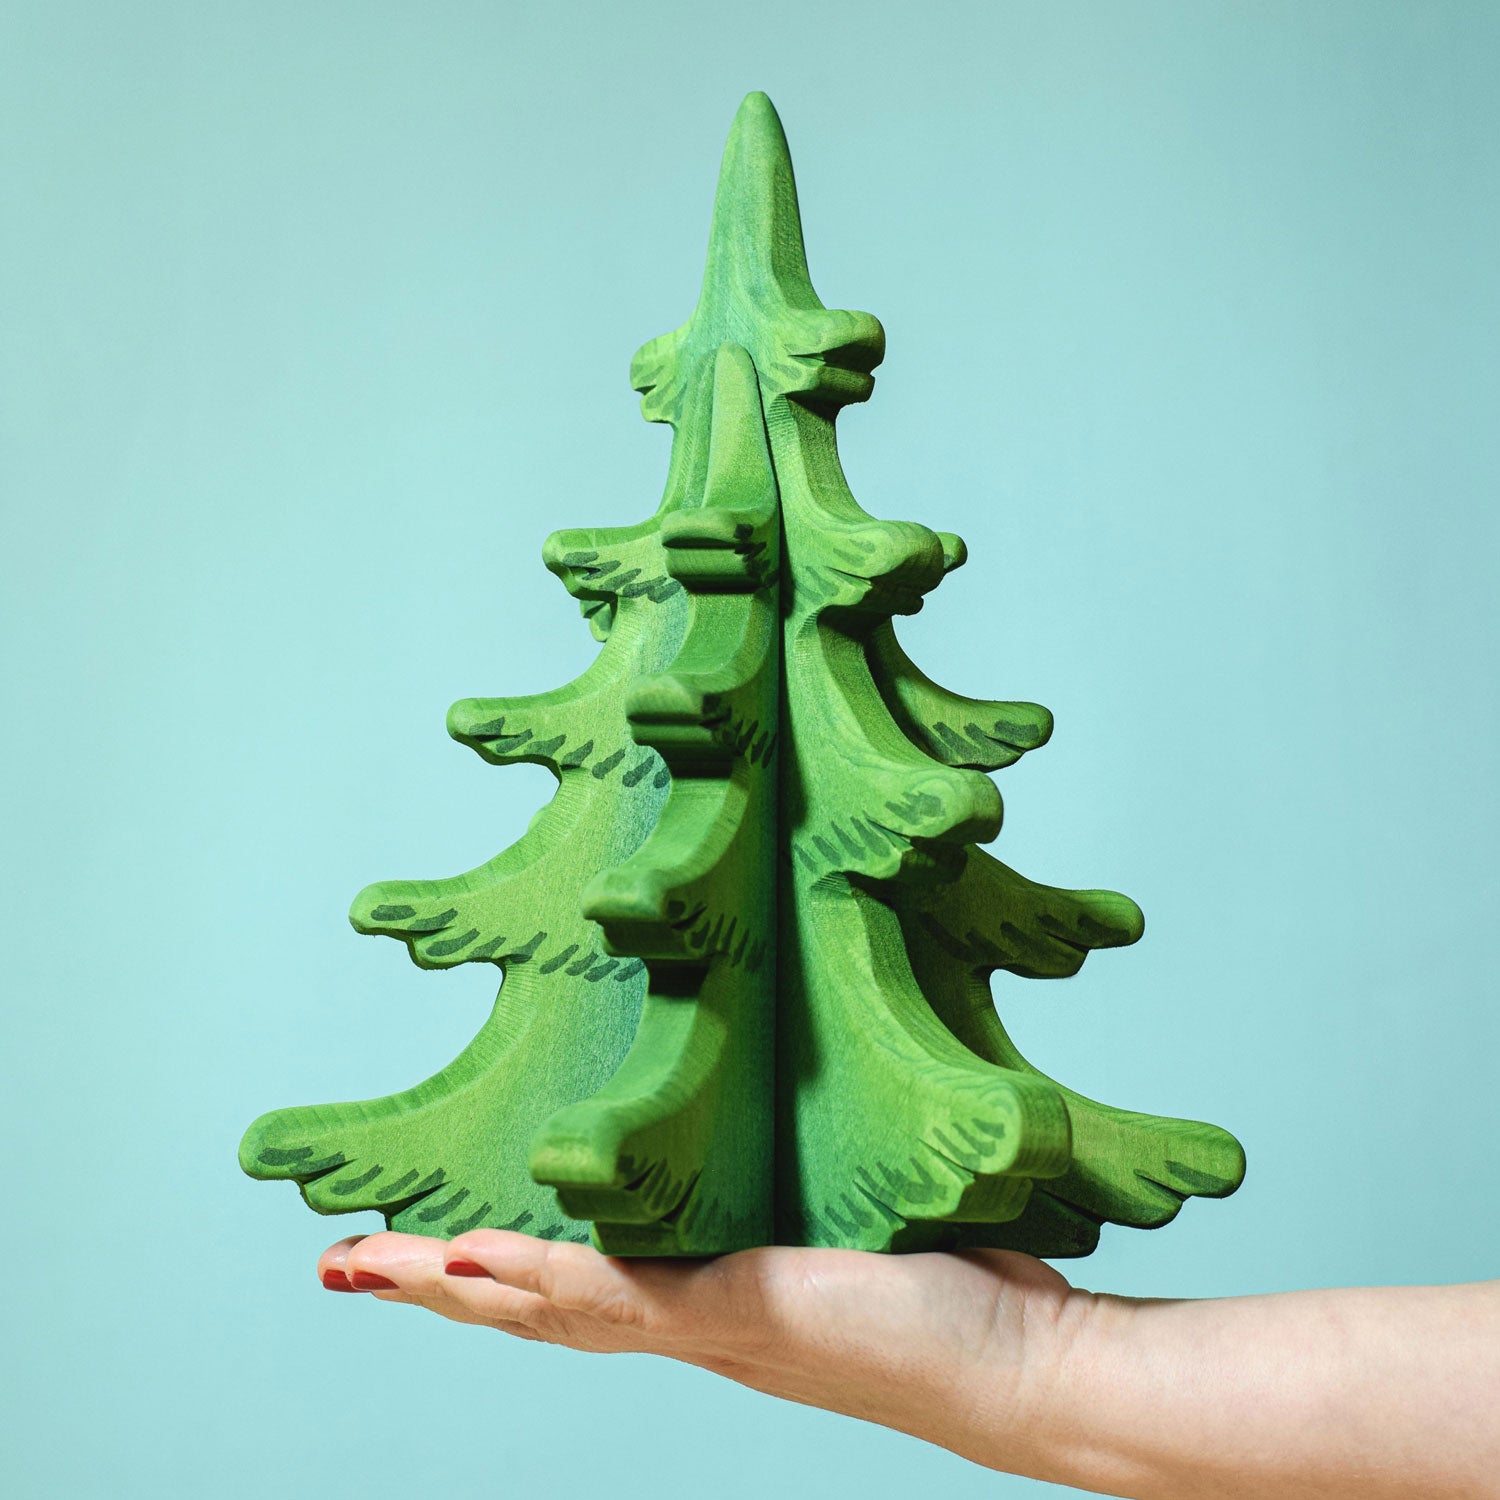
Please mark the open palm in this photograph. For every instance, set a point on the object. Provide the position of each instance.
(914, 1342)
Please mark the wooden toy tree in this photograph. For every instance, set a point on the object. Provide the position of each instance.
(747, 946)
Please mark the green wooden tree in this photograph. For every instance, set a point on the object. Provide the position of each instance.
(746, 948)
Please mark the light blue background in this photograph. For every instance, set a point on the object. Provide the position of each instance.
(315, 321)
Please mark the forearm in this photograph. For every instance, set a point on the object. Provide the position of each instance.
(1361, 1393)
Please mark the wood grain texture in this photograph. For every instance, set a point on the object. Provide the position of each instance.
(746, 949)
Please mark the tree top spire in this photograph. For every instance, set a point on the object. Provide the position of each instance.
(755, 249)
(757, 292)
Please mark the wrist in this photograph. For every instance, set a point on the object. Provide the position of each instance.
(1076, 1354)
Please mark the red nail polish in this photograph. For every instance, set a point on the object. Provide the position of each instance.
(336, 1281)
(464, 1268)
(368, 1281)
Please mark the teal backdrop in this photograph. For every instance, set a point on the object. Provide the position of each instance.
(316, 321)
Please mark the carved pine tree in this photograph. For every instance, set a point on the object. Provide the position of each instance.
(746, 949)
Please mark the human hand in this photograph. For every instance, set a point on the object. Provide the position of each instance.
(1384, 1393)
(957, 1349)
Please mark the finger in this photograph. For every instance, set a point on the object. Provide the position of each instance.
(495, 1302)
(677, 1307)
(532, 1279)
(455, 1312)
(512, 1307)
(410, 1259)
(411, 1268)
(387, 1262)
(331, 1265)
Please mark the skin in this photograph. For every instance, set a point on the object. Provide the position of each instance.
(1367, 1393)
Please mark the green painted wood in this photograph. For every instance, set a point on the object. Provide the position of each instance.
(746, 950)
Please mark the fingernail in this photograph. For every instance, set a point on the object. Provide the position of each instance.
(336, 1281)
(464, 1268)
(368, 1281)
